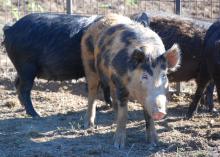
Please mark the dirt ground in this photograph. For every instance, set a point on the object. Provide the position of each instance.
(60, 133)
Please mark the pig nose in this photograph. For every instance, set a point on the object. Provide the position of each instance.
(158, 115)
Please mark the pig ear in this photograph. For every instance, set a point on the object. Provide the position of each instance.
(173, 57)
(144, 19)
(138, 56)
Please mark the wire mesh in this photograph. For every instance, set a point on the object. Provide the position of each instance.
(12, 10)
(201, 9)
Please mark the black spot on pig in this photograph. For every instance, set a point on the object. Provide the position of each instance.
(106, 57)
(89, 43)
(98, 59)
(104, 78)
(163, 66)
(92, 65)
(114, 29)
(147, 67)
(162, 62)
(121, 91)
(127, 36)
(120, 57)
(101, 45)
(109, 42)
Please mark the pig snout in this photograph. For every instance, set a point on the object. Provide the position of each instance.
(158, 115)
(158, 110)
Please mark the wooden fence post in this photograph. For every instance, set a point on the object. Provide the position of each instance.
(178, 11)
(178, 7)
(69, 5)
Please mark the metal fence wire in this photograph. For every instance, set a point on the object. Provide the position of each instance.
(12, 10)
(201, 9)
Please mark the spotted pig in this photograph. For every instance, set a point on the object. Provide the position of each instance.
(131, 60)
(189, 34)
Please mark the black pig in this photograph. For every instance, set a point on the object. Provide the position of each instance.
(210, 71)
(46, 46)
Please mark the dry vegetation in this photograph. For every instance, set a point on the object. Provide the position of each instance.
(60, 131)
(62, 105)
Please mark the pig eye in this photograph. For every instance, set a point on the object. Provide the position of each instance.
(164, 76)
(144, 76)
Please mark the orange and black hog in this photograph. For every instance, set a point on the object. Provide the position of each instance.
(130, 59)
(189, 35)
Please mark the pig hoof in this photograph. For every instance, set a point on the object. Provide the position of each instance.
(88, 124)
(152, 142)
(189, 115)
(215, 112)
(152, 138)
(187, 118)
(119, 145)
(119, 141)
(33, 114)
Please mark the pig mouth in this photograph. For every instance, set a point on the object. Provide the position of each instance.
(158, 115)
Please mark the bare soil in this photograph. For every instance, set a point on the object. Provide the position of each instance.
(62, 105)
(60, 133)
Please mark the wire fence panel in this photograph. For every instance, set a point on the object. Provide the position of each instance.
(12, 10)
(121, 6)
(201, 9)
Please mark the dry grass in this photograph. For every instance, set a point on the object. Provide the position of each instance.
(62, 106)
(60, 131)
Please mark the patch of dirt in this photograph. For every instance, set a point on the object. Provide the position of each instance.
(60, 132)
(62, 105)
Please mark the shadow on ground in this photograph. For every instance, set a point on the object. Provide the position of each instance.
(63, 135)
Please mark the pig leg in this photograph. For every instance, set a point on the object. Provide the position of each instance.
(202, 81)
(119, 139)
(209, 96)
(114, 100)
(87, 54)
(93, 84)
(152, 137)
(217, 83)
(218, 89)
(122, 112)
(106, 93)
(24, 84)
(114, 103)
